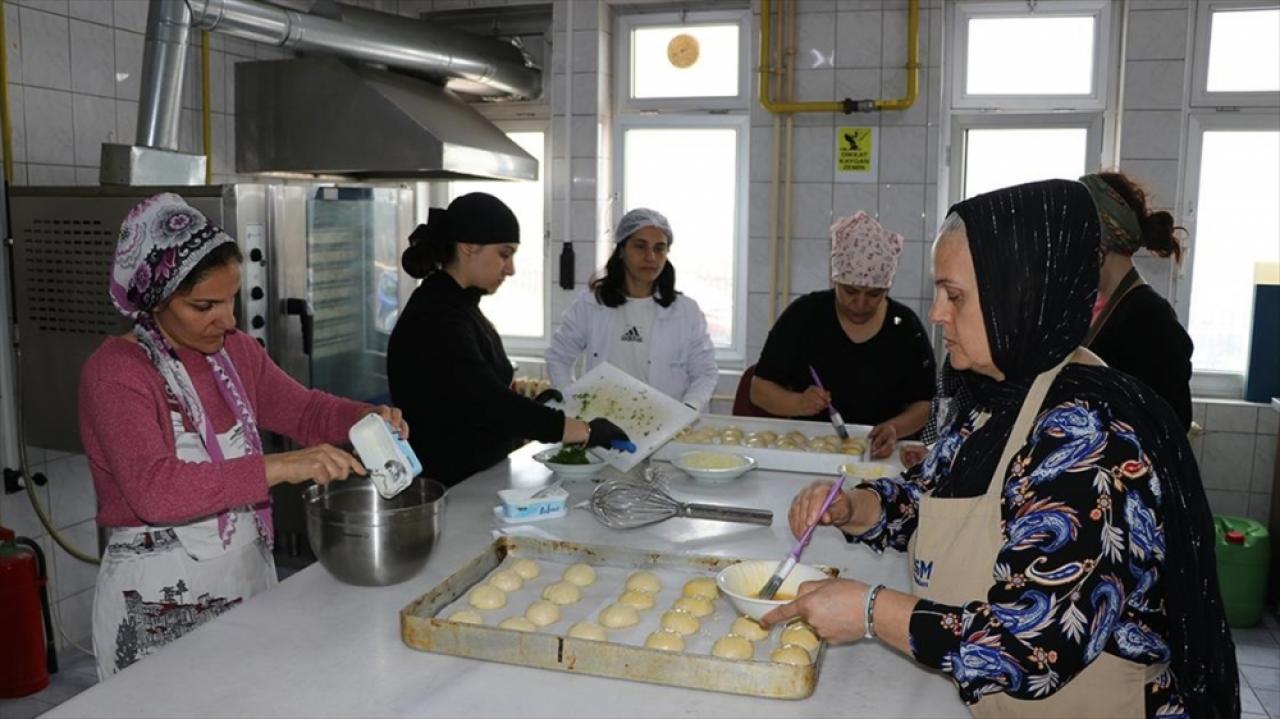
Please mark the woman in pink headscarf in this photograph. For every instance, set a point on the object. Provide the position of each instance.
(169, 417)
(871, 352)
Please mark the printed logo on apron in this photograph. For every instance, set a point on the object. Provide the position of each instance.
(921, 571)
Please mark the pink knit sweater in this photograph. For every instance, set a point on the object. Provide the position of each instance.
(128, 435)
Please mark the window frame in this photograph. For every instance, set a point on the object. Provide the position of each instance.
(1104, 21)
(1207, 383)
(957, 151)
(624, 24)
(1201, 97)
(736, 351)
(436, 194)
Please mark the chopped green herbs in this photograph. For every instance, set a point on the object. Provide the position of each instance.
(570, 455)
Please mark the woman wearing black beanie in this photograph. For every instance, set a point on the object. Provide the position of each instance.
(446, 365)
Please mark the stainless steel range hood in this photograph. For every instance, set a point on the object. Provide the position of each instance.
(368, 101)
(328, 116)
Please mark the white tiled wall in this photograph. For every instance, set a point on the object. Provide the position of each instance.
(1154, 98)
(71, 505)
(1237, 455)
(73, 85)
(850, 49)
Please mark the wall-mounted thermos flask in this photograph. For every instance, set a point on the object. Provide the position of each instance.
(566, 266)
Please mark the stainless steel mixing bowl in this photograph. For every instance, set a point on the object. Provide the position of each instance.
(364, 539)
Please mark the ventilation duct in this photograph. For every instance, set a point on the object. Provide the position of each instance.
(396, 121)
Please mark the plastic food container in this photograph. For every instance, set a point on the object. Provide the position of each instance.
(390, 460)
(519, 505)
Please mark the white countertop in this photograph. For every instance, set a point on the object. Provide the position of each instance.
(315, 647)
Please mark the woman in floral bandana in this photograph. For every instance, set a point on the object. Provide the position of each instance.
(1134, 328)
(872, 353)
(169, 417)
(1061, 545)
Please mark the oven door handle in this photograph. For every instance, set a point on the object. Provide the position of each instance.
(301, 308)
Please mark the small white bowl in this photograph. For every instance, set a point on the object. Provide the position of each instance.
(570, 471)
(741, 583)
(714, 476)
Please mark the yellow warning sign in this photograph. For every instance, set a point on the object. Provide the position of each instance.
(854, 149)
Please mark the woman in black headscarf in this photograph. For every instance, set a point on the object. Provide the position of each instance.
(1062, 544)
(446, 365)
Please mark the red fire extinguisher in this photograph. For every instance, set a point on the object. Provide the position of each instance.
(27, 655)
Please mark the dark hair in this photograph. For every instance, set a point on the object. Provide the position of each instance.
(611, 289)
(220, 256)
(475, 218)
(428, 249)
(1159, 234)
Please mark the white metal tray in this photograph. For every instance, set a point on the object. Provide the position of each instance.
(781, 460)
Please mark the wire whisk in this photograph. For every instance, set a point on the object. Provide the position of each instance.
(631, 502)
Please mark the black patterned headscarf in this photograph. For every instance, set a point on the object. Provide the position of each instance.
(1035, 251)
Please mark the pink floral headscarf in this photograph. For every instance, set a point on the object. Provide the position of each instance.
(162, 239)
(863, 253)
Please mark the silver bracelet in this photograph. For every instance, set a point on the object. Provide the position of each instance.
(868, 613)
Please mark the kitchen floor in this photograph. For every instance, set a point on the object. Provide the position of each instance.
(1257, 652)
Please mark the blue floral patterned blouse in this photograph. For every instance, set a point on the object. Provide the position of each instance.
(1078, 572)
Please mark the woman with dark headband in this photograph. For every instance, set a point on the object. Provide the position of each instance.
(1060, 539)
(1135, 330)
(169, 417)
(445, 362)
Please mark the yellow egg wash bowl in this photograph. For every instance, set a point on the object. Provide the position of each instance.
(741, 583)
(714, 467)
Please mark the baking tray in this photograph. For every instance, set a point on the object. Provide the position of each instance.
(781, 460)
(423, 627)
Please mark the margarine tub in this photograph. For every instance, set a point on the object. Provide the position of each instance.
(390, 460)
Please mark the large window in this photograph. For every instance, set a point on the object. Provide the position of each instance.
(685, 61)
(690, 174)
(690, 61)
(1019, 54)
(1028, 92)
(1237, 59)
(1230, 184)
(996, 157)
(1236, 224)
(519, 310)
(681, 148)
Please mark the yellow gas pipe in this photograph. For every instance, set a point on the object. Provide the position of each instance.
(847, 105)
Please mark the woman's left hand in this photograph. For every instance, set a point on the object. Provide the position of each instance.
(833, 607)
(884, 437)
(394, 417)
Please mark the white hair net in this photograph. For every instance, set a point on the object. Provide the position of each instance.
(640, 218)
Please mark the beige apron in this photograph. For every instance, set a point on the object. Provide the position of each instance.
(954, 548)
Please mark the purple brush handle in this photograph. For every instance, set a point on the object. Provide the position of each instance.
(826, 504)
(814, 374)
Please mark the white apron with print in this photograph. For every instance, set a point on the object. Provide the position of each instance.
(956, 544)
(159, 583)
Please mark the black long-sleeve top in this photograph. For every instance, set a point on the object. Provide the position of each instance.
(1144, 339)
(451, 377)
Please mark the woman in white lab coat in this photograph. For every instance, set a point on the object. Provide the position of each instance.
(634, 319)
